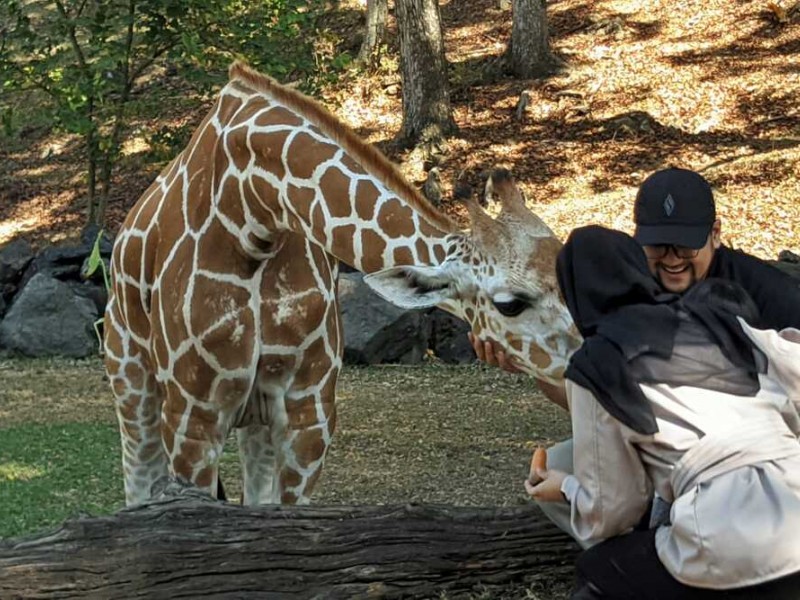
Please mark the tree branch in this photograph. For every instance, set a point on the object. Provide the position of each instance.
(73, 38)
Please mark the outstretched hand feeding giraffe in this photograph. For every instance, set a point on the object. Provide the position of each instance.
(223, 311)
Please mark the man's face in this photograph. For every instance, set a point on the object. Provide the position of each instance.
(676, 271)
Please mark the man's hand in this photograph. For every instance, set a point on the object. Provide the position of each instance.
(492, 354)
(545, 485)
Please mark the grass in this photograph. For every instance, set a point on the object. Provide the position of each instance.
(429, 434)
(50, 472)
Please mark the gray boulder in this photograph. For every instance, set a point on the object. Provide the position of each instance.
(14, 258)
(61, 262)
(449, 340)
(7, 291)
(89, 236)
(48, 318)
(69, 261)
(97, 294)
(376, 331)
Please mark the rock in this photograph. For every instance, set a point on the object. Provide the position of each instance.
(449, 340)
(345, 268)
(376, 331)
(89, 236)
(67, 261)
(60, 262)
(7, 291)
(15, 257)
(96, 293)
(48, 318)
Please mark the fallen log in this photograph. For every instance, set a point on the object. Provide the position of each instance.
(185, 544)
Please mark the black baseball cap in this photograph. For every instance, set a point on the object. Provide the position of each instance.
(674, 206)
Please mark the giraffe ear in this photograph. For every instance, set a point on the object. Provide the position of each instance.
(412, 286)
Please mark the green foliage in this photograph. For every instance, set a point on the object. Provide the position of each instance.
(95, 262)
(271, 35)
(91, 56)
(166, 141)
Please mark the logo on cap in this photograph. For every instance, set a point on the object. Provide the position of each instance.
(669, 205)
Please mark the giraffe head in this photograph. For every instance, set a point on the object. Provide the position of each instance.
(500, 278)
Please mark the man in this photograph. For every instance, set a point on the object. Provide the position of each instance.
(677, 226)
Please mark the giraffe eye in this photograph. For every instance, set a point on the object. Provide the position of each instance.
(513, 307)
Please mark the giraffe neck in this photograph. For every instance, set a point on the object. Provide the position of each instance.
(283, 164)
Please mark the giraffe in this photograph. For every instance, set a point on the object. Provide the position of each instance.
(223, 312)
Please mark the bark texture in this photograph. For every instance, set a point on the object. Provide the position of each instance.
(377, 12)
(529, 50)
(188, 545)
(426, 98)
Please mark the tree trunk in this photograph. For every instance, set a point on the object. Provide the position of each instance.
(528, 51)
(92, 153)
(377, 12)
(184, 544)
(111, 155)
(426, 98)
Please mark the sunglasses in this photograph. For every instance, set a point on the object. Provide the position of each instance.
(661, 250)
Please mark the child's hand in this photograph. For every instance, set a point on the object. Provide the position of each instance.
(549, 487)
(538, 463)
(544, 485)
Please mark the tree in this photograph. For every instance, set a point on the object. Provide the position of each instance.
(427, 117)
(88, 56)
(377, 12)
(528, 54)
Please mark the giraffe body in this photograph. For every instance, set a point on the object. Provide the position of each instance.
(223, 312)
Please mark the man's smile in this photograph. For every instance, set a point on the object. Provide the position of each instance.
(676, 269)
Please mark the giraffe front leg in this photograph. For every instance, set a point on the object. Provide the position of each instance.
(138, 409)
(143, 458)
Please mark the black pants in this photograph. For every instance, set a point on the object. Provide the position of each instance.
(628, 568)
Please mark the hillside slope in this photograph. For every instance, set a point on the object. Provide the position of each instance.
(711, 85)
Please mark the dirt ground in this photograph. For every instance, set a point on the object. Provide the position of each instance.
(711, 85)
(436, 433)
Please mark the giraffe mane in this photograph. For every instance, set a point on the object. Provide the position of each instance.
(366, 154)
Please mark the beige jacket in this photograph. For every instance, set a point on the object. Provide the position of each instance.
(730, 465)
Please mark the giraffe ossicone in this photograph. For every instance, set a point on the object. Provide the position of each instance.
(223, 312)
